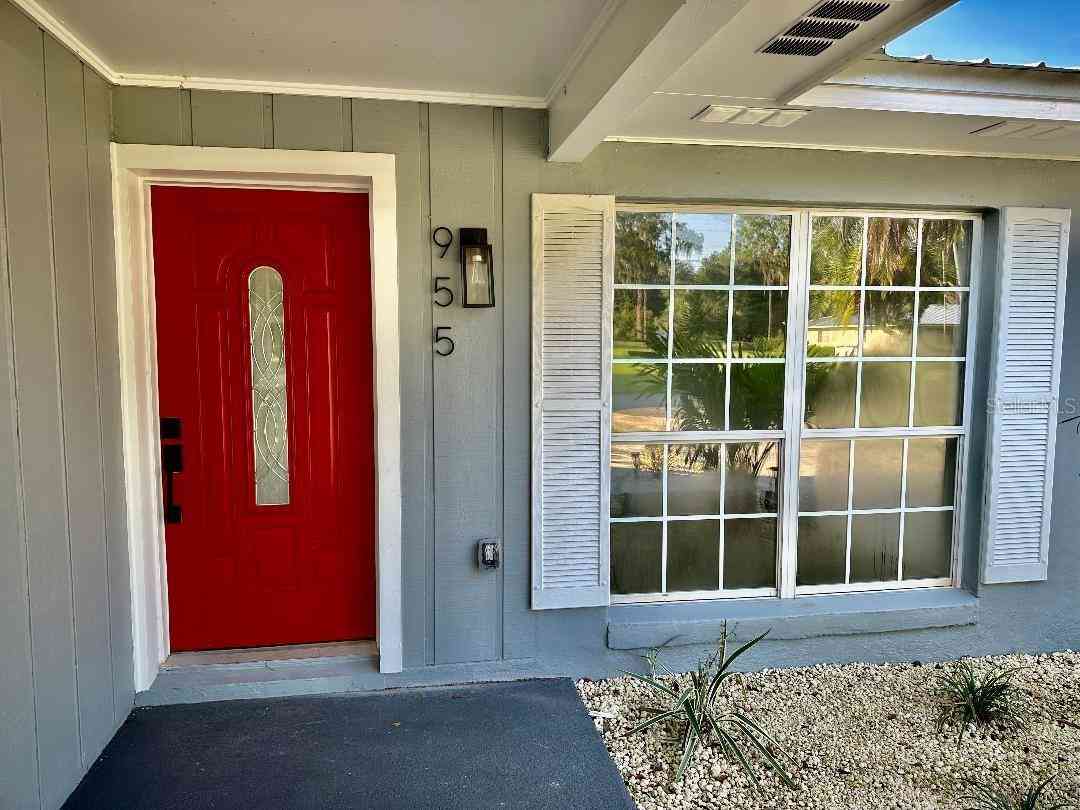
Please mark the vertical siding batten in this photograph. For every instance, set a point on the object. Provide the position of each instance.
(398, 127)
(80, 414)
(466, 396)
(19, 779)
(39, 421)
(521, 176)
(97, 105)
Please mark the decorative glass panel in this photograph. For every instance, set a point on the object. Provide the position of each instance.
(266, 314)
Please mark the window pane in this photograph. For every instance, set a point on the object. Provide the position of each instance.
(638, 397)
(700, 324)
(693, 555)
(640, 323)
(642, 248)
(891, 246)
(823, 475)
(762, 249)
(269, 393)
(889, 317)
(753, 478)
(946, 253)
(694, 479)
(931, 472)
(942, 324)
(635, 557)
(697, 396)
(830, 394)
(927, 544)
(757, 396)
(637, 472)
(758, 323)
(832, 329)
(836, 254)
(702, 248)
(885, 391)
(822, 554)
(875, 547)
(938, 394)
(878, 469)
(750, 553)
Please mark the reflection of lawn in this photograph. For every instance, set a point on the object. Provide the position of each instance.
(631, 348)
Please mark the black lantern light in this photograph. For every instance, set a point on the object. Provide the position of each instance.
(477, 268)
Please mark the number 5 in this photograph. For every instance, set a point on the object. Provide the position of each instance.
(440, 339)
(442, 288)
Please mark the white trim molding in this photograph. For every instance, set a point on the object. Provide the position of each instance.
(135, 168)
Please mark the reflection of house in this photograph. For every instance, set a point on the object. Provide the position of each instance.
(830, 331)
(843, 336)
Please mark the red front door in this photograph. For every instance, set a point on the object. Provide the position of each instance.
(264, 358)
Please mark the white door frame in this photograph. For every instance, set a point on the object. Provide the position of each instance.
(135, 168)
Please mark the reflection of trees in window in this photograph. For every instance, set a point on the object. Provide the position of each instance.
(637, 318)
(691, 266)
(644, 254)
(836, 256)
(945, 252)
(762, 249)
(891, 246)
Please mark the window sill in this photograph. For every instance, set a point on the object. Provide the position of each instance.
(634, 627)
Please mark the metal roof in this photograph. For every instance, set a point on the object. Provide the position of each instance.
(985, 62)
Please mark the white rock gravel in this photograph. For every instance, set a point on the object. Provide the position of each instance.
(865, 736)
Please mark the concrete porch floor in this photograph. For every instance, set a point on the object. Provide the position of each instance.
(527, 744)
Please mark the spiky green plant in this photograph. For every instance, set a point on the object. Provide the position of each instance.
(702, 719)
(988, 797)
(967, 696)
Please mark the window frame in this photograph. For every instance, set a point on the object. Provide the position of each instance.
(790, 437)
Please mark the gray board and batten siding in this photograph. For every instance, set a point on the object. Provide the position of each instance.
(65, 645)
(465, 434)
(65, 619)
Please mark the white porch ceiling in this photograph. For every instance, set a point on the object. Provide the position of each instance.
(513, 51)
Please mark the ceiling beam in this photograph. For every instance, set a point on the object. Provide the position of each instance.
(642, 44)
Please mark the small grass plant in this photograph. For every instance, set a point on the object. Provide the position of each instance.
(704, 718)
(987, 797)
(967, 696)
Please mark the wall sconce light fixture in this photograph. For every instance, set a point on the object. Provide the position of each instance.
(477, 268)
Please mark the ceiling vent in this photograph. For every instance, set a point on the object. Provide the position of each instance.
(825, 24)
(765, 116)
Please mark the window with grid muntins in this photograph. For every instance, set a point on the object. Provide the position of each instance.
(788, 400)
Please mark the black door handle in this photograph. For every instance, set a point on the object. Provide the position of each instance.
(172, 462)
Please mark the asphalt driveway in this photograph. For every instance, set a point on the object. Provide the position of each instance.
(528, 744)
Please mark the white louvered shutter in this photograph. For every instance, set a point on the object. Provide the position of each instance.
(1023, 413)
(573, 245)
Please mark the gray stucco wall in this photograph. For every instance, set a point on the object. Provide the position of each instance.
(64, 623)
(65, 627)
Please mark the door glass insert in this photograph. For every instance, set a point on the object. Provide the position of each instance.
(266, 314)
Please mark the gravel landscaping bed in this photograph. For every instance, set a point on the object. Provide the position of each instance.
(864, 736)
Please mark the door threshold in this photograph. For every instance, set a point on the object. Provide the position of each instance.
(264, 655)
